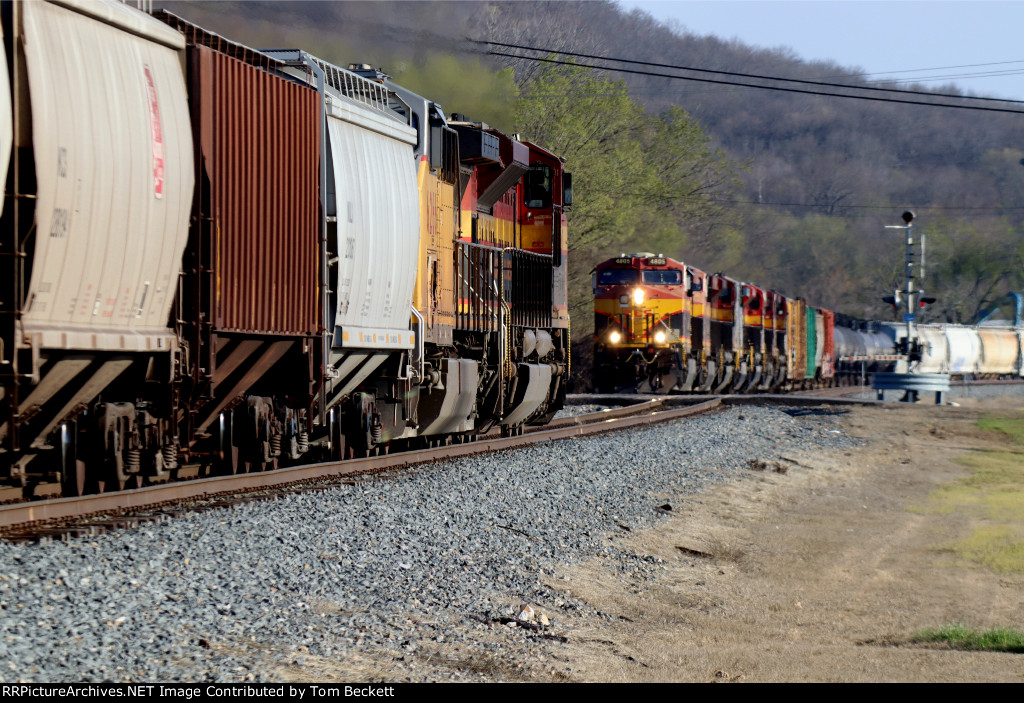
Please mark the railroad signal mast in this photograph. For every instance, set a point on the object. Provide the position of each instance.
(914, 299)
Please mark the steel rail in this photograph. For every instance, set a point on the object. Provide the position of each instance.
(18, 515)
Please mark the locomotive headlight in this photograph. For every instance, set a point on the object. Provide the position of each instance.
(659, 337)
(638, 296)
(623, 300)
(614, 337)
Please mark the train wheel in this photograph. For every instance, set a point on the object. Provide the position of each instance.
(232, 460)
(73, 468)
(74, 481)
(272, 465)
(230, 455)
(130, 483)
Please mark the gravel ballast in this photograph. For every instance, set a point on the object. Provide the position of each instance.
(373, 578)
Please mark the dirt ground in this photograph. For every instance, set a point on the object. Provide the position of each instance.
(821, 573)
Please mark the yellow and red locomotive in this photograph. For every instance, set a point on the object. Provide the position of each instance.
(644, 312)
(660, 325)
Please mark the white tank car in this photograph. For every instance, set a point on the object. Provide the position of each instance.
(964, 349)
(934, 350)
(1000, 351)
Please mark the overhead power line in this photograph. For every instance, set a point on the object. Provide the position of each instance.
(763, 87)
(825, 84)
(940, 68)
(842, 206)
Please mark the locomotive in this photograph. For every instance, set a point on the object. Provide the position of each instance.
(661, 325)
(227, 258)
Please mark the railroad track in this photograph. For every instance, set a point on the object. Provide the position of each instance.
(92, 514)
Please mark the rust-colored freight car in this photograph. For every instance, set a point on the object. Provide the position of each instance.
(259, 138)
(250, 290)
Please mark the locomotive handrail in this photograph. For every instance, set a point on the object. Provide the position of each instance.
(419, 339)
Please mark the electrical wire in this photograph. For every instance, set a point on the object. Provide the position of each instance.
(737, 74)
(780, 88)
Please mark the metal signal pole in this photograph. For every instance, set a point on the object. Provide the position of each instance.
(912, 297)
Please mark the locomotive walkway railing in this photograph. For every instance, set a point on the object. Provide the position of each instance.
(525, 279)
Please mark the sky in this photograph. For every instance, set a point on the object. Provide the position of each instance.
(879, 36)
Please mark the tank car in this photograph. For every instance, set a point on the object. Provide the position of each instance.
(1000, 351)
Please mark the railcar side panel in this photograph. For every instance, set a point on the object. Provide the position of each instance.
(435, 290)
(828, 351)
(999, 351)
(260, 150)
(113, 154)
(849, 343)
(796, 335)
(964, 349)
(6, 119)
(378, 230)
(811, 342)
(934, 349)
(819, 345)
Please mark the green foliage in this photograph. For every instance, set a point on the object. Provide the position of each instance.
(972, 265)
(594, 125)
(462, 85)
(1010, 427)
(641, 182)
(1000, 639)
(992, 494)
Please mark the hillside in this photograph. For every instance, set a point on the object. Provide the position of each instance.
(817, 178)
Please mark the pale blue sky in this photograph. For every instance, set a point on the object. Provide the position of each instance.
(879, 36)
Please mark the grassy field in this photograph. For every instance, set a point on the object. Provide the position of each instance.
(993, 493)
(960, 637)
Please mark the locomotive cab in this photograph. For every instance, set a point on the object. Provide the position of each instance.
(642, 311)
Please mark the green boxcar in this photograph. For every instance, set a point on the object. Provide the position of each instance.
(812, 342)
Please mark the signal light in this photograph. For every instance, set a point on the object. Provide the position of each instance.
(923, 301)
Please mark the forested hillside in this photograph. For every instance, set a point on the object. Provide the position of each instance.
(785, 189)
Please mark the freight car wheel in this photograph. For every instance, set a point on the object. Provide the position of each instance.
(73, 469)
(115, 484)
(131, 483)
(74, 480)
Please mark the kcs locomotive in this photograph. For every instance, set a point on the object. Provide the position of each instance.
(662, 326)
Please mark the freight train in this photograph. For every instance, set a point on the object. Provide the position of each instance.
(663, 326)
(218, 256)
